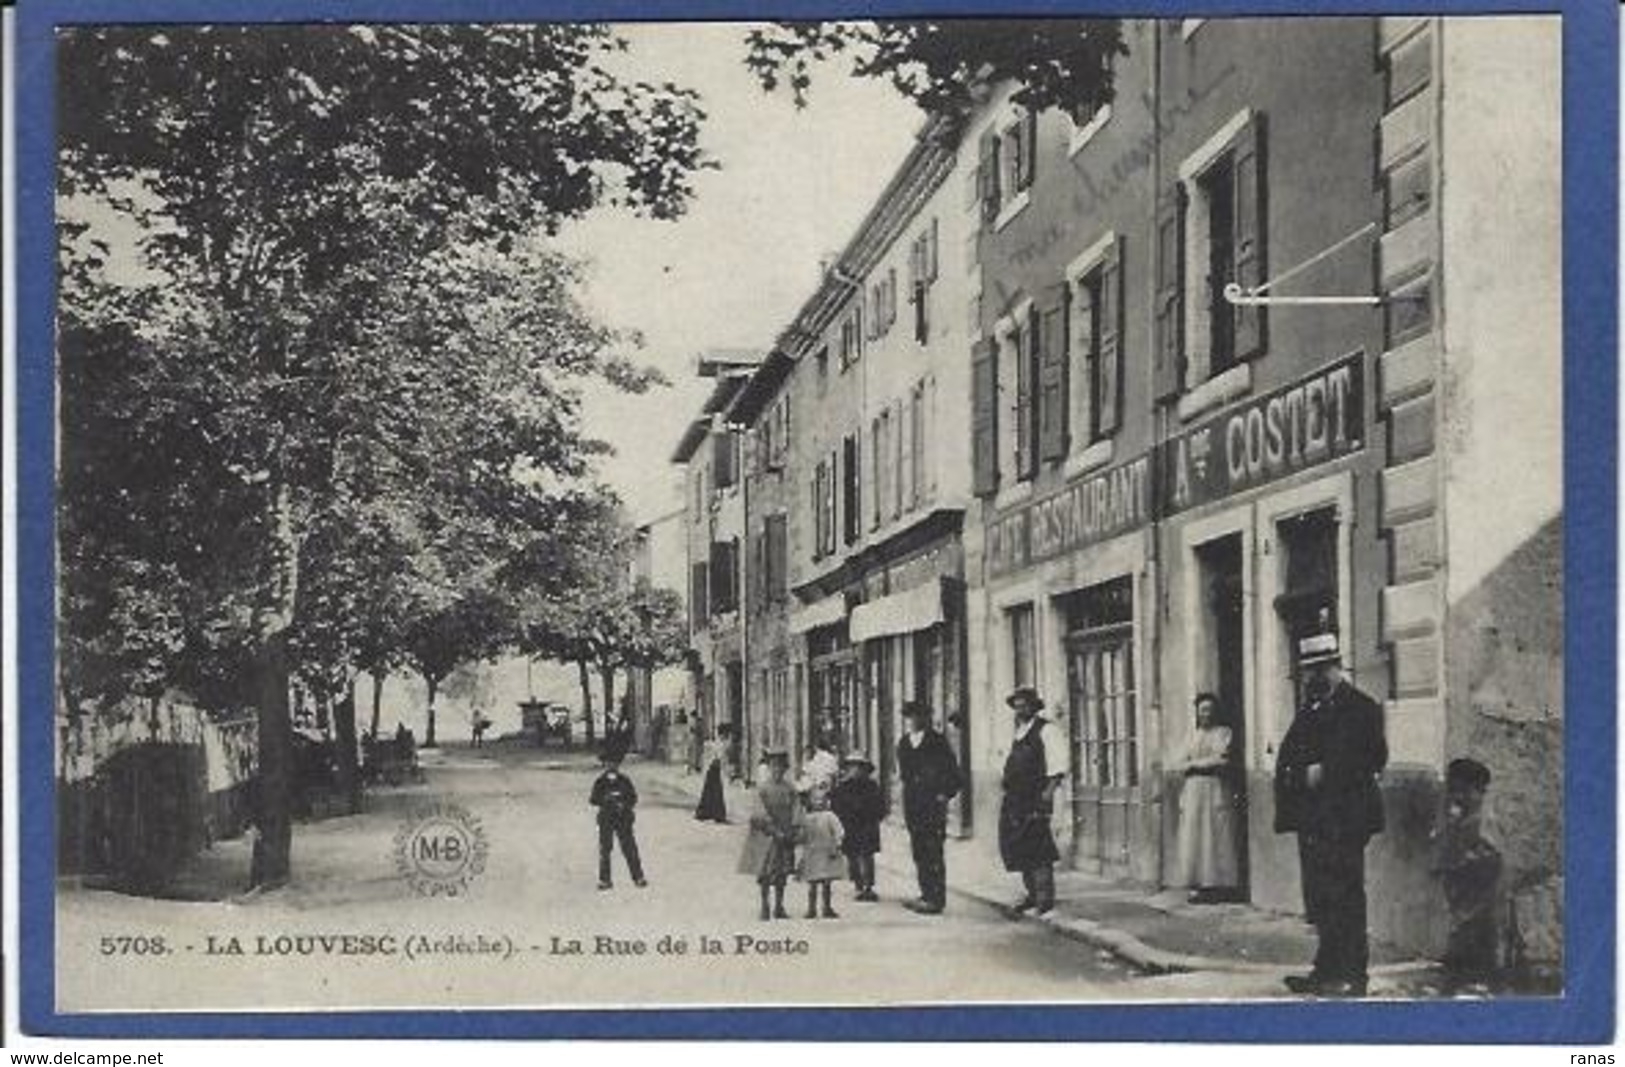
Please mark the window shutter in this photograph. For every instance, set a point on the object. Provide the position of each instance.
(984, 419)
(1029, 149)
(931, 253)
(1250, 217)
(1111, 340)
(1027, 392)
(989, 166)
(1052, 359)
(1170, 348)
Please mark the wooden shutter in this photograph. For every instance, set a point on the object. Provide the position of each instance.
(1169, 365)
(984, 418)
(1029, 149)
(1110, 360)
(1250, 217)
(989, 168)
(931, 253)
(777, 559)
(1031, 356)
(1052, 360)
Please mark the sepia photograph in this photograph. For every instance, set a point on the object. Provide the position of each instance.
(891, 514)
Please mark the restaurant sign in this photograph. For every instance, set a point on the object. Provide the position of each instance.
(1313, 421)
(1086, 511)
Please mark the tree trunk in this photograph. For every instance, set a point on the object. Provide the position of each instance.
(611, 720)
(349, 767)
(273, 845)
(377, 699)
(586, 699)
(428, 731)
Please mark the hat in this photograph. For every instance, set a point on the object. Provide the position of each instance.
(916, 709)
(1025, 694)
(775, 753)
(1318, 648)
(858, 756)
(1467, 772)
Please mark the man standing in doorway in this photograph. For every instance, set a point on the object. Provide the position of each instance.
(1026, 842)
(930, 777)
(1326, 792)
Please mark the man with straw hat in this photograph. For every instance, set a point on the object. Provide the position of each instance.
(1326, 792)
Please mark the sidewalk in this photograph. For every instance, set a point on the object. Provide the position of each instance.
(1156, 931)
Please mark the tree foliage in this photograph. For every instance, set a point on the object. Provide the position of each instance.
(943, 64)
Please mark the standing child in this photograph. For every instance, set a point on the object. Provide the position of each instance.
(821, 859)
(616, 798)
(776, 821)
(1470, 868)
(858, 803)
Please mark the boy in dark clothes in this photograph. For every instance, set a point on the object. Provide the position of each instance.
(857, 802)
(615, 797)
(1470, 868)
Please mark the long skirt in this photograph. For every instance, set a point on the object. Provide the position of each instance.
(712, 806)
(1207, 834)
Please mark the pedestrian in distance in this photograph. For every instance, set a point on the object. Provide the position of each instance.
(1326, 792)
(1470, 868)
(1208, 861)
(776, 825)
(616, 799)
(859, 804)
(713, 807)
(931, 778)
(822, 862)
(1031, 777)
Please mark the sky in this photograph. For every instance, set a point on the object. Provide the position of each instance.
(792, 188)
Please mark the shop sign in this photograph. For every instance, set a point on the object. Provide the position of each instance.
(1086, 511)
(1313, 421)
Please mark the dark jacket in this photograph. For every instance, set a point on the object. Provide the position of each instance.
(614, 796)
(931, 778)
(1026, 841)
(858, 803)
(1344, 734)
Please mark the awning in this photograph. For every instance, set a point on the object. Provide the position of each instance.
(825, 612)
(919, 608)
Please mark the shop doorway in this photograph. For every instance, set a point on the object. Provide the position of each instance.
(1103, 728)
(1223, 610)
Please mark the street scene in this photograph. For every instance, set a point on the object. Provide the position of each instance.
(863, 513)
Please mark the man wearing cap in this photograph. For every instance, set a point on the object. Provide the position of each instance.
(930, 777)
(1026, 842)
(1326, 792)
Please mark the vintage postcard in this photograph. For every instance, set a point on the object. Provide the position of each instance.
(894, 514)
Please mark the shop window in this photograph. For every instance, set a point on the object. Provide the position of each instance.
(1100, 675)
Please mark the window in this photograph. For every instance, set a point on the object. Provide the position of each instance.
(916, 452)
(1020, 344)
(723, 455)
(724, 576)
(1096, 328)
(1211, 233)
(699, 595)
(852, 335)
(1023, 646)
(899, 443)
(1006, 162)
(851, 489)
(1308, 604)
(922, 273)
(876, 451)
(778, 558)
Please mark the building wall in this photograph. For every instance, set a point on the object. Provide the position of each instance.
(1500, 445)
(771, 489)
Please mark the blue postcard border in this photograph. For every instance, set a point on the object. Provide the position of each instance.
(1584, 1015)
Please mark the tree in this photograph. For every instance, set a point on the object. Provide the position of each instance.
(940, 64)
(298, 185)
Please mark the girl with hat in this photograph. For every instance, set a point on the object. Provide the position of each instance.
(858, 803)
(776, 825)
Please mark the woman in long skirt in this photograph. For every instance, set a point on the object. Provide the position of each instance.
(1207, 809)
(713, 807)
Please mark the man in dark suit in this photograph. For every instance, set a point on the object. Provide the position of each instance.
(1326, 792)
(930, 776)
